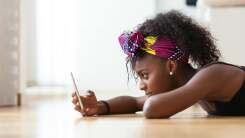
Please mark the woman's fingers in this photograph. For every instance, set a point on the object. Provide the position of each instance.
(83, 98)
(73, 94)
(77, 108)
(90, 93)
(74, 100)
(89, 103)
(84, 112)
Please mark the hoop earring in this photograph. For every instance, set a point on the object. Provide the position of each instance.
(171, 73)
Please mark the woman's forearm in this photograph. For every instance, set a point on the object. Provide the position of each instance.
(120, 105)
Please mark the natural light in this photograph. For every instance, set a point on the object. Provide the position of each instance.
(81, 36)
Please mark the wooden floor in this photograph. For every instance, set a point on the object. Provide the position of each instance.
(55, 118)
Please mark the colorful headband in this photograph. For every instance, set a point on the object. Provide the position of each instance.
(163, 47)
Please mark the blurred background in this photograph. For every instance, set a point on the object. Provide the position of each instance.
(42, 41)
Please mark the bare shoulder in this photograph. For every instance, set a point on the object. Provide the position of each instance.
(222, 81)
(218, 72)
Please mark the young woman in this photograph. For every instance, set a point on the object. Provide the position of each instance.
(177, 64)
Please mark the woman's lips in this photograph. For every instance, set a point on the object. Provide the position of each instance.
(148, 93)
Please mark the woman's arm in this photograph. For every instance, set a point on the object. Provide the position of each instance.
(204, 84)
(123, 104)
(117, 105)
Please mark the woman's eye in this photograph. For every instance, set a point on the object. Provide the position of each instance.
(145, 76)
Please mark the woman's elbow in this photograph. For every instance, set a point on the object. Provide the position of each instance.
(150, 115)
(152, 111)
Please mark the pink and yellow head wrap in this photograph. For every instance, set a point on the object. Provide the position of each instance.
(131, 42)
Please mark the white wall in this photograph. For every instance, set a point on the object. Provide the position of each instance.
(28, 42)
(9, 52)
(101, 62)
(225, 20)
(226, 24)
(79, 36)
(166, 5)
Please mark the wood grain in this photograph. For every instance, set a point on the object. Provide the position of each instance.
(54, 117)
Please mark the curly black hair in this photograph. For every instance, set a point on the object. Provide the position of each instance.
(189, 36)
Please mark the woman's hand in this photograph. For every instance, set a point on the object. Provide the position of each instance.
(90, 106)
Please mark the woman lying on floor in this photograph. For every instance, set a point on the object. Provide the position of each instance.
(177, 65)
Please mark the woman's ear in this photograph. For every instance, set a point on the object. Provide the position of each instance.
(171, 66)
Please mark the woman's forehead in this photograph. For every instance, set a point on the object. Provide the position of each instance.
(147, 62)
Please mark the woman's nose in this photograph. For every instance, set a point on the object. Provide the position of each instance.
(142, 86)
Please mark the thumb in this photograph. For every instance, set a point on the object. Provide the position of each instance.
(91, 93)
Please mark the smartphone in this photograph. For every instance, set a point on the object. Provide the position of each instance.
(76, 91)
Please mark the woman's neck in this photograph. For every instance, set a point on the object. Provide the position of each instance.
(185, 73)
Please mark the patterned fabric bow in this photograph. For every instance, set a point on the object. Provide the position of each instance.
(162, 47)
(131, 42)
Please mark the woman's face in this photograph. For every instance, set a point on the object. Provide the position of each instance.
(153, 75)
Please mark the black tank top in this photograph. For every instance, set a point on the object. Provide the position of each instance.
(236, 106)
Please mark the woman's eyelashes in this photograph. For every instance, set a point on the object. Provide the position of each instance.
(144, 76)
